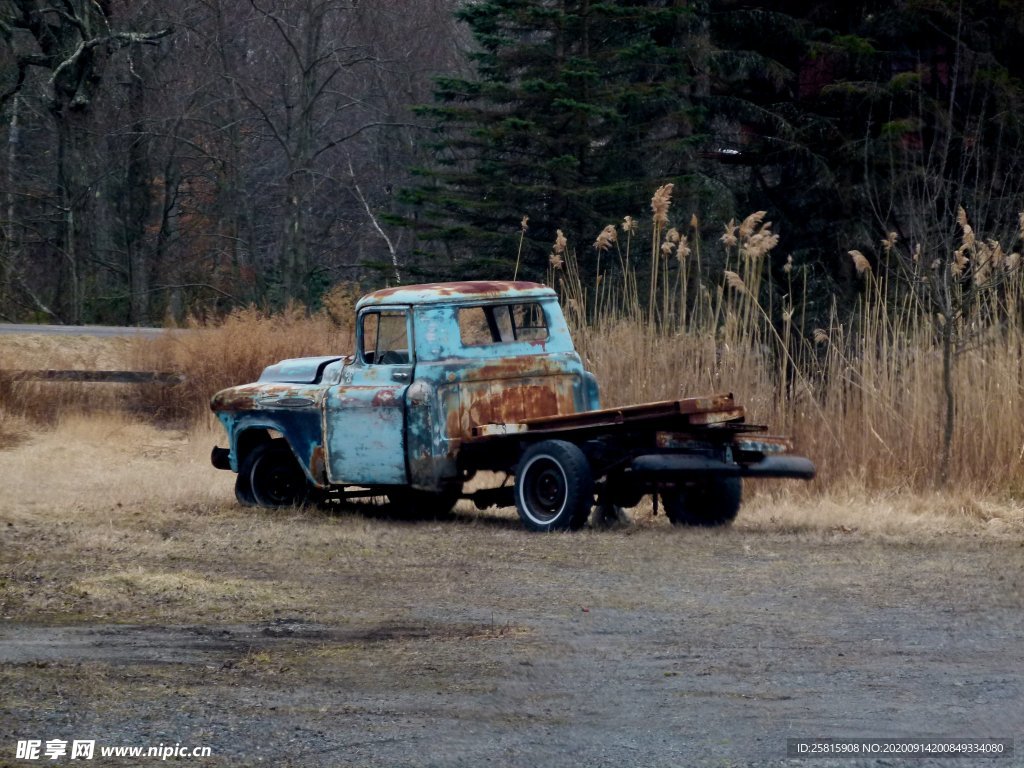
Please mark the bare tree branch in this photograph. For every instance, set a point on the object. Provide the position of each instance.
(342, 139)
(117, 39)
(376, 224)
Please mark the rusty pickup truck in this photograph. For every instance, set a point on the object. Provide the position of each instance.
(454, 379)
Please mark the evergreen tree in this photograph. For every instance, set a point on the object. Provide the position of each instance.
(576, 111)
(849, 120)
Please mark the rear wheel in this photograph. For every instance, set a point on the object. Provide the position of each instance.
(707, 504)
(554, 487)
(275, 477)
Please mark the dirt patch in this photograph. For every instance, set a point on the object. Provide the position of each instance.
(140, 644)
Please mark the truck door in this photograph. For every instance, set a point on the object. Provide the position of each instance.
(364, 415)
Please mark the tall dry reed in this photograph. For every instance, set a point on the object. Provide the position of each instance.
(865, 393)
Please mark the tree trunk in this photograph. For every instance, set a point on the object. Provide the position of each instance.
(165, 265)
(296, 257)
(9, 253)
(137, 210)
(237, 216)
(74, 200)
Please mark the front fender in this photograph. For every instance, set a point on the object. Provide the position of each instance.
(302, 430)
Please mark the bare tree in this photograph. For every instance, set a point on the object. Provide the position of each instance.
(72, 41)
(250, 156)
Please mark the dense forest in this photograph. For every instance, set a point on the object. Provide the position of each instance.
(175, 157)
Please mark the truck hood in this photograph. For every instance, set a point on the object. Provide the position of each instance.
(271, 396)
(297, 370)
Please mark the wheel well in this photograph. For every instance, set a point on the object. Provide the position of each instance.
(249, 439)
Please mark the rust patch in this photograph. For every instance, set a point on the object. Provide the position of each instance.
(453, 422)
(711, 418)
(514, 404)
(318, 465)
(517, 367)
(503, 404)
(250, 397)
(665, 410)
(385, 398)
(465, 287)
(491, 286)
(233, 400)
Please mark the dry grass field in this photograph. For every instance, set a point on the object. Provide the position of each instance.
(139, 605)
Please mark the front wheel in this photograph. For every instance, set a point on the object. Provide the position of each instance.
(243, 489)
(554, 487)
(708, 504)
(274, 476)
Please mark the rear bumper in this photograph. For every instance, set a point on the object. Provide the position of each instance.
(685, 467)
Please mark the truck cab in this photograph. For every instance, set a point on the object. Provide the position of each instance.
(432, 363)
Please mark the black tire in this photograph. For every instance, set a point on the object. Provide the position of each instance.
(243, 488)
(707, 504)
(554, 487)
(413, 504)
(275, 477)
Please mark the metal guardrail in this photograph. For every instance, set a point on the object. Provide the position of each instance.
(111, 377)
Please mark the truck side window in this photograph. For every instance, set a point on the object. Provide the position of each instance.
(501, 323)
(385, 338)
(528, 321)
(473, 327)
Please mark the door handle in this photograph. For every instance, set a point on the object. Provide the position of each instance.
(400, 375)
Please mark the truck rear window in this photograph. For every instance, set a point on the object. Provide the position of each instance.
(502, 323)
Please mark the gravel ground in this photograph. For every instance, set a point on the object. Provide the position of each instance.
(625, 648)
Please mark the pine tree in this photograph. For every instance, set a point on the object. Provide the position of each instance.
(849, 120)
(576, 111)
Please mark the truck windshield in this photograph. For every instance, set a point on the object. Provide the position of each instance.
(502, 323)
(385, 340)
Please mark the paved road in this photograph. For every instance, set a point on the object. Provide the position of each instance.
(80, 330)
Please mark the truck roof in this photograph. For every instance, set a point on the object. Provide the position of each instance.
(459, 292)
